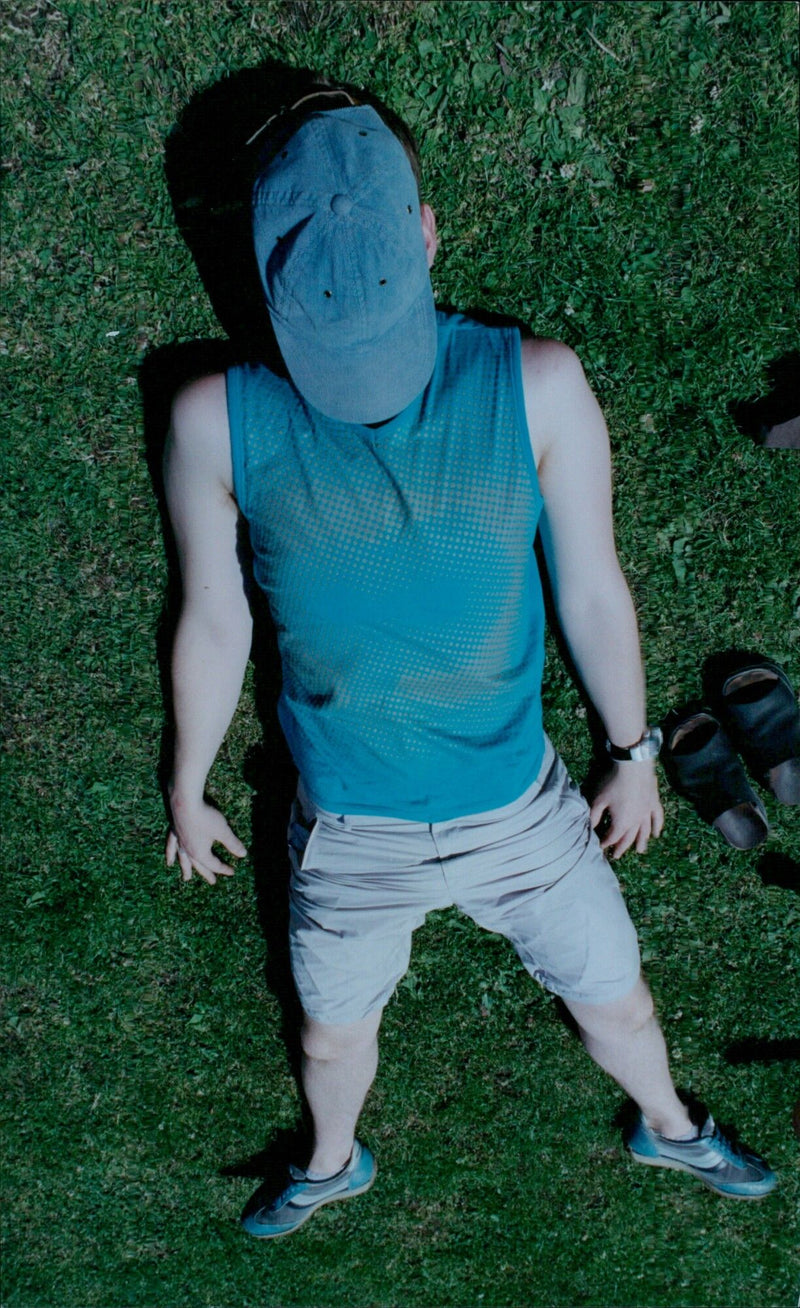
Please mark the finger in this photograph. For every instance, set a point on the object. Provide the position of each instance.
(612, 836)
(202, 870)
(233, 844)
(618, 842)
(171, 848)
(641, 840)
(215, 866)
(623, 846)
(208, 868)
(596, 812)
(658, 821)
(185, 864)
(190, 865)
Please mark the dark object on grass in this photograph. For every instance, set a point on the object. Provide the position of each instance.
(774, 420)
(703, 766)
(783, 436)
(754, 699)
(270, 1163)
(779, 870)
(210, 163)
(754, 1050)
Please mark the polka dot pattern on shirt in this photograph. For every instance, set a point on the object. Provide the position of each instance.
(399, 567)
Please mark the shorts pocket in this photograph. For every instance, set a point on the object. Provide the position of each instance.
(300, 837)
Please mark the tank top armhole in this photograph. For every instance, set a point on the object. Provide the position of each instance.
(233, 390)
(515, 362)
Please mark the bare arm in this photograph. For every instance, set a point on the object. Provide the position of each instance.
(592, 599)
(212, 640)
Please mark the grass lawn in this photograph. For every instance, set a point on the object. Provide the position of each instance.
(622, 176)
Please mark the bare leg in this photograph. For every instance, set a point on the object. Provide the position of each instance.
(339, 1064)
(625, 1039)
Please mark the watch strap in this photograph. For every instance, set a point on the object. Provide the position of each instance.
(646, 747)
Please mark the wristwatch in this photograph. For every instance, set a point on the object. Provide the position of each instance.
(647, 746)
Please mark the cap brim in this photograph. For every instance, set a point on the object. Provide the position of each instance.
(367, 383)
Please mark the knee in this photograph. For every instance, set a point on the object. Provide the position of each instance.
(623, 1016)
(635, 1010)
(327, 1043)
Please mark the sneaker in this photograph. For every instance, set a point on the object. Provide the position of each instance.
(267, 1217)
(711, 1157)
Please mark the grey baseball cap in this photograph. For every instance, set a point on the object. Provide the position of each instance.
(341, 253)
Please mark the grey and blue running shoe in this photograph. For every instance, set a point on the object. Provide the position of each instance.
(267, 1216)
(714, 1159)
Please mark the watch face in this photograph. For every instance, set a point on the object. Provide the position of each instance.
(649, 745)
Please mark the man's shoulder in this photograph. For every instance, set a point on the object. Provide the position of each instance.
(200, 404)
(199, 436)
(550, 364)
(558, 400)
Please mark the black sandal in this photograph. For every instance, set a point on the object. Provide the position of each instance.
(754, 699)
(702, 765)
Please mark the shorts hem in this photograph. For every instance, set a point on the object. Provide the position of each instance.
(343, 1021)
(609, 996)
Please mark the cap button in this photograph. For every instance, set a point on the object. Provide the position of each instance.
(341, 205)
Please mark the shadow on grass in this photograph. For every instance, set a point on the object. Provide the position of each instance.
(752, 1049)
(271, 1163)
(210, 163)
(777, 869)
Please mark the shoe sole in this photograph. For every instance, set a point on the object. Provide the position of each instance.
(312, 1209)
(698, 1176)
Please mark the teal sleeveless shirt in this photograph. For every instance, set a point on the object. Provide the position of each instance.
(399, 567)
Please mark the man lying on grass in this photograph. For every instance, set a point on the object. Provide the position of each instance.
(393, 484)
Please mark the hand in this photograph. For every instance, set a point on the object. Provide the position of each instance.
(628, 793)
(195, 828)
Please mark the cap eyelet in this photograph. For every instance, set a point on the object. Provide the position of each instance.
(382, 281)
(328, 294)
(363, 133)
(410, 209)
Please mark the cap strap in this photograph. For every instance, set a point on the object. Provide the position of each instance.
(313, 95)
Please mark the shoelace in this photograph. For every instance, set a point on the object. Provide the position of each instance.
(733, 1153)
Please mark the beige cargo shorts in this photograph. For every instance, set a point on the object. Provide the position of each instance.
(533, 871)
